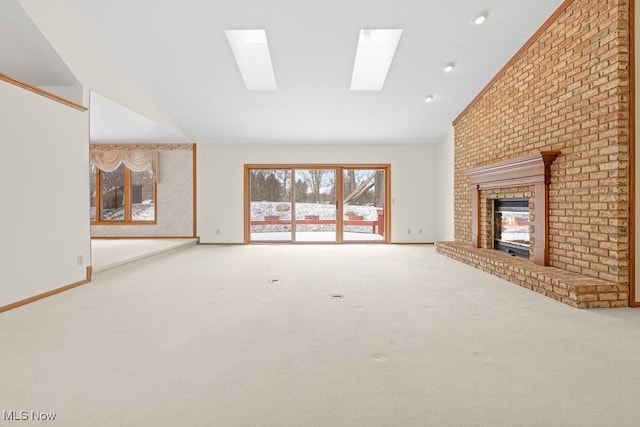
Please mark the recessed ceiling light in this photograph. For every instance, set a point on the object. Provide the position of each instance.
(449, 67)
(373, 58)
(428, 99)
(480, 18)
(251, 52)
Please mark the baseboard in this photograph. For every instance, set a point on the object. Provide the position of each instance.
(219, 244)
(316, 243)
(413, 243)
(48, 293)
(144, 237)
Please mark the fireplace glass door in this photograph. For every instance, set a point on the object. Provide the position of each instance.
(511, 226)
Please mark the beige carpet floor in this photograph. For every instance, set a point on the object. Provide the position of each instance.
(252, 336)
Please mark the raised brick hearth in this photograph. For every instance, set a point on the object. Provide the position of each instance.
(570, 288)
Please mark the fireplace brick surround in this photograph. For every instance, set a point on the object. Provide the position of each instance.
(567, 90)
(532, 170)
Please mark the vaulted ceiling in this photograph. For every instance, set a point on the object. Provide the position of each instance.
(177, 51)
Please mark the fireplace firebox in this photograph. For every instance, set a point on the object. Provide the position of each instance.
(511, 226)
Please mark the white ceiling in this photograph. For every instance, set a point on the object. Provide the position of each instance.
(111, 122)
(178, 52)
(25, 53)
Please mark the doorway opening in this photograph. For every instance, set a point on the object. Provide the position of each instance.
(317, 203)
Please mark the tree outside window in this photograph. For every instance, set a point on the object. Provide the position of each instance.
(122, 196)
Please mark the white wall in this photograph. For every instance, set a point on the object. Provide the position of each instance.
(44, 215)
(73, 93)
(174, 201)
(221, 188)
(446, 187)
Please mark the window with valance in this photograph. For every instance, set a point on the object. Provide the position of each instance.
(123, 186)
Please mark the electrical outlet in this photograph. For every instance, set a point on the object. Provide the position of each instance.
(80, 260)
(408, 231)
(217, 231)
(420, 231)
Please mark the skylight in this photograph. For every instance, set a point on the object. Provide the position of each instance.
(373, 58)
(251, 51)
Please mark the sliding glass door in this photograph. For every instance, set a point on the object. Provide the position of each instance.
(316, 203)
(270, 213)
(363, 204)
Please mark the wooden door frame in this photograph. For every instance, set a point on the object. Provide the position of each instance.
(339, 168)
(633, 152)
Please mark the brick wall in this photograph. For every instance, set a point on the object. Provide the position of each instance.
(568, 91)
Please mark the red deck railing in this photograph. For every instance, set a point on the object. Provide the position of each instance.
(374, 224)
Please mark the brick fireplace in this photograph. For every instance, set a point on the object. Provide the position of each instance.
(567, 92)
(502, 181)
(525, 178)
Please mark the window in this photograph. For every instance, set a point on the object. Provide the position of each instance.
(122, 196)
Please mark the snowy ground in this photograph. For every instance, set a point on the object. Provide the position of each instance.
(140, 212)
(326, 211)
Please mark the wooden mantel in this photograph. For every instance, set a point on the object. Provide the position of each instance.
(527, 170)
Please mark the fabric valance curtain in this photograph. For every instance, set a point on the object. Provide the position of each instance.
(137, 161)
